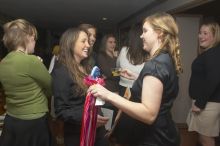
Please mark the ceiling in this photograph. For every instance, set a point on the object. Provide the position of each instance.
(61, 14)
(208, 10)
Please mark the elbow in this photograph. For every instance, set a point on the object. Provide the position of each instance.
(150, 119)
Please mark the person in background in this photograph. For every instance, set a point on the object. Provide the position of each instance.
(27, 84)
(91, 31)
(154, 90)
(204, 87)
(55, 52)
(128, 59)
(68, 87)
(106, 61)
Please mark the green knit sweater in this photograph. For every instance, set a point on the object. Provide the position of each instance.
(27, 85)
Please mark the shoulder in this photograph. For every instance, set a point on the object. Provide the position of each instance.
(33, 59)
(61, 73)
(160, 67)
(123, 53)
(214, 51)
(101, 56)
(161, 61)
(59, 69)
(124, 49)
(211, 56)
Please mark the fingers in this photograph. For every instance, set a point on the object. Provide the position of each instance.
(91, 88)
(195, 109)
(102, 120)
(94, 88)
(99, 91)
(40, 58)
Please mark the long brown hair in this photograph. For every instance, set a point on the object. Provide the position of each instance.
(166, 24)
(104, 40)
(136, 54)
(66, 57)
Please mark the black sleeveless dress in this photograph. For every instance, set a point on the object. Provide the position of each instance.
(163, 131)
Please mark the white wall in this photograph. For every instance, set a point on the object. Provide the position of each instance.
(189, 27)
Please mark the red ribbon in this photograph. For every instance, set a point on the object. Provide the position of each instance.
(90, 112)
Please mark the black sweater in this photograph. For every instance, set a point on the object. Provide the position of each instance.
(205, 78)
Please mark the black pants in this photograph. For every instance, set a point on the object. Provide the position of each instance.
(18, 132)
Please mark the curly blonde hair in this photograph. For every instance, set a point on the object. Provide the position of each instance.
(166, 24)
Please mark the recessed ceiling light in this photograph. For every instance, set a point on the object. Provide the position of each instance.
(104, 18)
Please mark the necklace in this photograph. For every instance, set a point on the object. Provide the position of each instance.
(22, 51)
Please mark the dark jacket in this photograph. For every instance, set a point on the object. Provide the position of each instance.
(205, 78)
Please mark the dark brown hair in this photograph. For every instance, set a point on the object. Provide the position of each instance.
(136, 54)
(86, 26)
(67, 43)
(104, 40)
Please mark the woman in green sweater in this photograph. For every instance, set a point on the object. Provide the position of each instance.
(27, 85)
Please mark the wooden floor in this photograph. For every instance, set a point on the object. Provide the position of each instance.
(57, 131)
(190, 138)
(187, 138)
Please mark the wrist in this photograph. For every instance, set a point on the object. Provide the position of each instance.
(109, 96)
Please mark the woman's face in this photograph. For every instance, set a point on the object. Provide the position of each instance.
(110, 44)
(81, 48)
(206, 38)
(149, 37)
(30, 44)
(92, 36)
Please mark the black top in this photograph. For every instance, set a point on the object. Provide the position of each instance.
(106, 63)
(205, 78)
(163, 131)
(68, 104)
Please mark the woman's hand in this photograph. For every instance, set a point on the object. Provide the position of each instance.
(195, 109)
(40, 58)
(128, 74)
(99, 91)
(101, 121)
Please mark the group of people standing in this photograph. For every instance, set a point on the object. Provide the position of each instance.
(149, 68)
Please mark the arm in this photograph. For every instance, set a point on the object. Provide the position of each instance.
(39, 73)
(128, 74)
(147, 110)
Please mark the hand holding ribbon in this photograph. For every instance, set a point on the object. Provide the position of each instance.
(90, 113)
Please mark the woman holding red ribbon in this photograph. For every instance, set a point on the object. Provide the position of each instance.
(69, 90)
(147, 120)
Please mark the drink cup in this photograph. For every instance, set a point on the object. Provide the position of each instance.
(116, 71)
